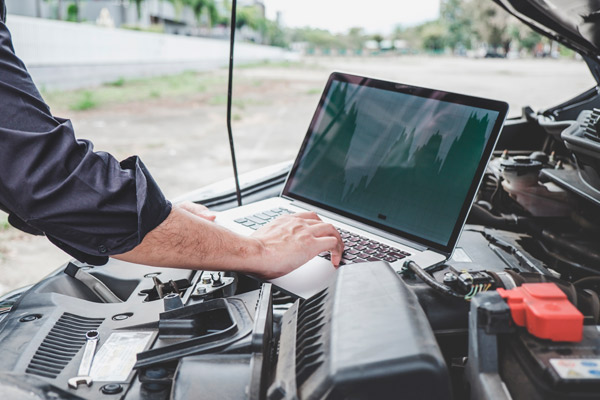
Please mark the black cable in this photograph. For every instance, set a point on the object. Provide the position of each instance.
(571, 264)
(429, 280)
(238, 191)
(496, 191)
(588, 279)
(567, 245)
(514, 223)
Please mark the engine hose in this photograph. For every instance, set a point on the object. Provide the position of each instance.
(429, 280)
(587, 281)
(583, 251)
(480, 215)
(571, 264)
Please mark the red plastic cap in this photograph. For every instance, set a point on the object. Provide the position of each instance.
(545, 311)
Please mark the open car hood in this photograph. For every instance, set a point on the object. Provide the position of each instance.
(573, 23)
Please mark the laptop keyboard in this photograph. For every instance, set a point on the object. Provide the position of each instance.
(357, 248)
(361, 249)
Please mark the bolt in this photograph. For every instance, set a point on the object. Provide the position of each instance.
(29, 318)
(121, 317)
(200, 290)
(52, 396)
(111, 388)
(450, 278)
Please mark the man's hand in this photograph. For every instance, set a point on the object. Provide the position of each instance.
(197, 209)
(188, 239)
(292, 240)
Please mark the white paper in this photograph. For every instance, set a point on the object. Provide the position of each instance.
(460, 255)
(117, 356)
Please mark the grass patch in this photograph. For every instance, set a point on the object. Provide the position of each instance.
(4, 225)
(85, 101)
(314, 91)
(154, 28)
(118, 83)
(221, 99)
(272, 64)
(566, 52)
(180, 88)
(121, 91)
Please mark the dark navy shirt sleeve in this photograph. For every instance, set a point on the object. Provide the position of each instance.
(87, 203)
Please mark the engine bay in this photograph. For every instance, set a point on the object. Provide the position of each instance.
(444, 333)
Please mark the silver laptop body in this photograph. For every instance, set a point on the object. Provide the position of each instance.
(390, 165)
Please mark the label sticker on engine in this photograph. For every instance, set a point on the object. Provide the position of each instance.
(577, 368)
(460, 255)
(116, 358)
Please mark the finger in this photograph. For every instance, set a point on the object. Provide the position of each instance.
(324, 229)
(328, 230)
(208, 216)
(199, 206)
(294, 224)
(308, 215)
(194, 208)
(198, 210)
(329, 243)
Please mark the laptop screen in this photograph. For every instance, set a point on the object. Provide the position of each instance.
(400, 158)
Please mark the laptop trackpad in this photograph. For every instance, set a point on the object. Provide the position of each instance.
(309, 279)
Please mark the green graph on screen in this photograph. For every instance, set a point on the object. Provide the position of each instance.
(401, 160)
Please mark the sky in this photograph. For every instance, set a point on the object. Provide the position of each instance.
(337, 16)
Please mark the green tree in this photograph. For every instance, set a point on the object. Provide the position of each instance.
(73, 12)
(204, 7)
(356, 38)
(273, 34)
(253, 18)
(178, 6)
(248, 16)
(58, 8)
(411, 35)
(138, 7)
(316, 37)
(525, 37)
(459, 23)
(377, 38)
(434, 35)
(491, 23)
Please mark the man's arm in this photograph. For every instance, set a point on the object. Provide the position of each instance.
(87, 203)
(187, 239)
(92, 206)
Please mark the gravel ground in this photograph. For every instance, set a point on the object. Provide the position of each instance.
(183, 140)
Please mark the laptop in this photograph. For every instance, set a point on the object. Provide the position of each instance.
(394, 167)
